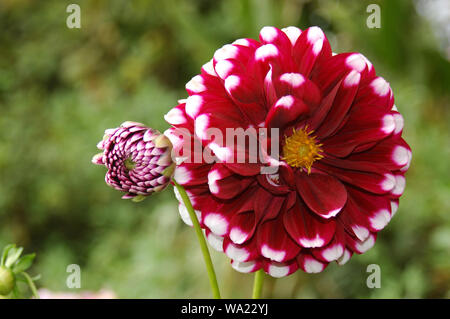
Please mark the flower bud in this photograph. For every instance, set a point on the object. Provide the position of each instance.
(7, 280)
(138, 160)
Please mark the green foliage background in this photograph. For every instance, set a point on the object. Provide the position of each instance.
(60, 88)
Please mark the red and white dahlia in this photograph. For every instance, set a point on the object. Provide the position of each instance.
(342, 159)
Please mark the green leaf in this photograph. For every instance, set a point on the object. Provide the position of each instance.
(13, 255)
(138, 198)
(5, 253)
(24, 263)
(36, 278)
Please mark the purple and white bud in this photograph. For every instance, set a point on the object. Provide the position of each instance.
(138, 159)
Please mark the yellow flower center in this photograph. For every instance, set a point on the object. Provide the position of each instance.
(301, 149)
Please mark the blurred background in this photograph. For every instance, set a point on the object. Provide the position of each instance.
(60, 88)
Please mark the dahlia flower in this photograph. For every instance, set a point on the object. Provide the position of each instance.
(342, 162)
(138, 160)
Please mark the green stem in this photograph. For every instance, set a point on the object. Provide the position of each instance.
(201, 240)
(31, 284)
(258, 284)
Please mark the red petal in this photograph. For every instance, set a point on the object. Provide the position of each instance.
(247, 42)
(307, 228)
(266, 56)
(399, 122)
(376, 94)
(334, 250)
(309, 264)
(224, 184)
(274, 243)
(323, 194)
(271, 182)
(220, 111)
(269, 89)
(322, 110)
(363, 125)
(353, 221)
(244, 169)
(328, 73)
(375, 208)
(299, 86)
(216, 218)
(341, 105)
(242, 227)
(367, 176)
(394, 206)
(292, 33)
(217, 214)
(275, 36)
(233, 51)
(400, 183)
(359, 246)
(198, 194)
(246, 267)
(191, 174)
(286, 110)
(214, 240)
(177, 117)
(242, 253)
(278, 270)
(345, 257)
(243, 88)
(227, 67)
(205, 82)
(186, 148)
(310, 47)
(266, 205)
(391, 153)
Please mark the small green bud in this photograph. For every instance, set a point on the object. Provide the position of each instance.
(7, 280)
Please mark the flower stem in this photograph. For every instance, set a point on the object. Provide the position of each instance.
(201, 241)
(31, 284)
(258, 284)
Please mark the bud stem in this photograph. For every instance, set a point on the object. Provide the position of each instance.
(31, 284)
(201, 240)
